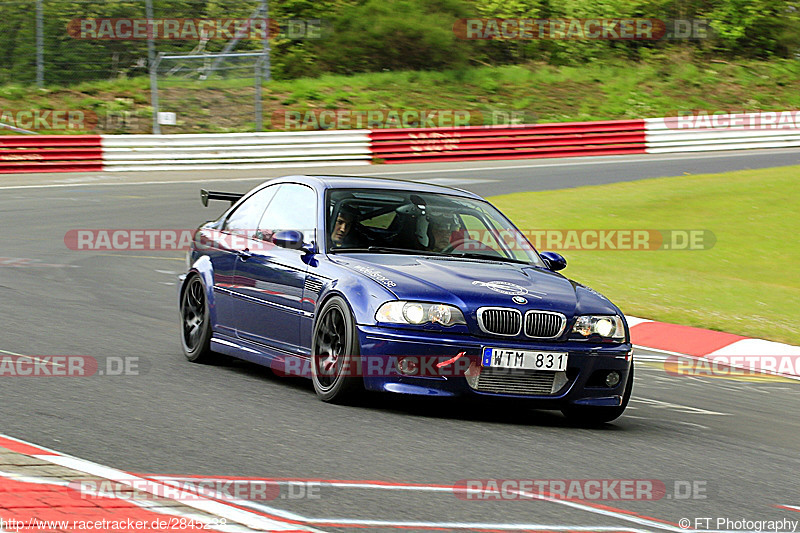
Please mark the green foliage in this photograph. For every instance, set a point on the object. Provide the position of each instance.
(393, 35)
(757, 27)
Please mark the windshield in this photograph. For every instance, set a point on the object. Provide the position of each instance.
(390, 221)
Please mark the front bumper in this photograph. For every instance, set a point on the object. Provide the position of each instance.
(581, 384)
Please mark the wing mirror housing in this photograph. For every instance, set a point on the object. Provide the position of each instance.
(291, 239)
(554, 261)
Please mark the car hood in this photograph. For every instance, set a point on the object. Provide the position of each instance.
(470, 284)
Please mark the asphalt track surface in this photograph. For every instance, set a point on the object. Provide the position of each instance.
(736, 441)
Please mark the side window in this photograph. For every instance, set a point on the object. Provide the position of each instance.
(245, 219)
(294, 207)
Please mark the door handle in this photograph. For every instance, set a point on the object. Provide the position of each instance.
(244, 254)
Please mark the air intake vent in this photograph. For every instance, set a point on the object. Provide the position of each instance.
(313, 286)
(544, 324)
(500, 320)
(536, 383)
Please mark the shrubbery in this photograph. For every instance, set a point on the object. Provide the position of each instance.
(378, 35)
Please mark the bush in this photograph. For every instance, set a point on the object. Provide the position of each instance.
(395, 35)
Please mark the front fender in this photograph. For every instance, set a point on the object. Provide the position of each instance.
(364, 296)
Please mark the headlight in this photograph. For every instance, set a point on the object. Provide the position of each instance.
(607, 327)
(419, 313)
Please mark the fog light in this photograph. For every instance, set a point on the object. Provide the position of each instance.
(612, 379)
(407, 366)
(473, 374)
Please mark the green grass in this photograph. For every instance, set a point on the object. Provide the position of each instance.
(608, 89)
(747, 283)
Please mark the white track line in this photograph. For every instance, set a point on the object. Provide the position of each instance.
(640, 521)
(32, 358)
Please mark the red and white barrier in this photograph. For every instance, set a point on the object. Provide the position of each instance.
(612, 137)
(54, 153)
(50, 153)
(235, 150)
(738, 131)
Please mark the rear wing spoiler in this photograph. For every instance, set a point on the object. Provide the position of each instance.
(231, 197)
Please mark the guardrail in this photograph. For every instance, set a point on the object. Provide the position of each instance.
(65, 153)
(611, 137)
(50, 153)
(739, 131)
(235, 150)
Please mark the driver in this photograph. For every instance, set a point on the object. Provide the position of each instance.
(343, 225)
(441, 228)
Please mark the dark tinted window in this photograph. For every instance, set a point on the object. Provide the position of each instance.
(421, 221)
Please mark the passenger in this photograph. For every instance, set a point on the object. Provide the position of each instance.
(440, 231)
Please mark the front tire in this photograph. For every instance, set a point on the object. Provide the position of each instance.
(196, 322)
(594, 416)
(335, 354)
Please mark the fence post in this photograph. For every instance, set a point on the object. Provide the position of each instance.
(154, 92)
(153, 62)
(258, 104)
(39, 44)
(266, 47)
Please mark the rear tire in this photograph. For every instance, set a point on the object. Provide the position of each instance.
(196, 322)
(594, 416)
(335, 354)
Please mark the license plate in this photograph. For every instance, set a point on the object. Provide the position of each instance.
(524, 359)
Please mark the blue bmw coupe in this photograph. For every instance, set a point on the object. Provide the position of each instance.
(396, 286)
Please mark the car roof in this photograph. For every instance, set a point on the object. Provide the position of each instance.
(359, 182)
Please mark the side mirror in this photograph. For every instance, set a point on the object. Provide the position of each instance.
(554, 261)
(291, 239)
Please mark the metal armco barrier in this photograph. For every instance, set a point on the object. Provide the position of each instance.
(741, 131)
(235, 150)
(509, 142)
(50, 153)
